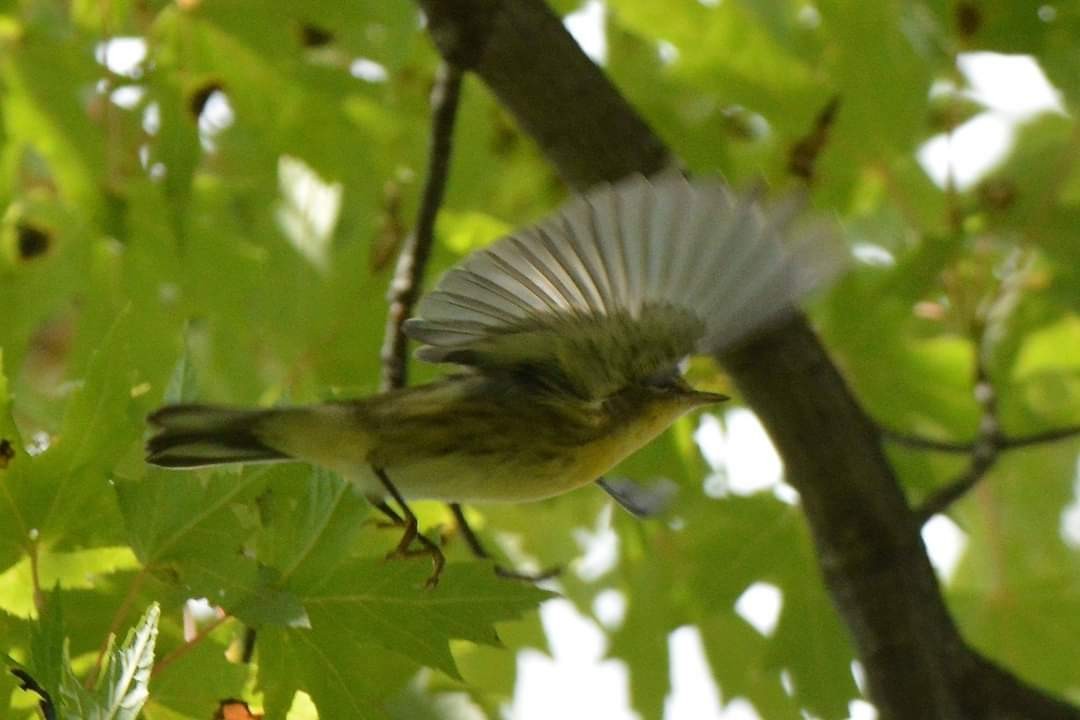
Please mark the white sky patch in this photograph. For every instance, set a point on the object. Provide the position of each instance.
(1009, 84)
(872, 255)
(858, 672)
(972, 150)
(128, 96)
(693, 692)
(862, 710)
(601, 546)
(575, 683)
(945, 544)
(368, 70)
(587, 27)
(122, 55)
(667, 51)
(609, 607)
(217, 116)
(151, 119)
(809, 17)
(760, 605)
(740, 709)
(740, 452)
(308, 210)
(1014, 89)
(1070, 516)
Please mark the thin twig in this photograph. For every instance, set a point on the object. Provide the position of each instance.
(980, 464)
(478, 549)
(190, 645)
(1039, 438)
(984, 451)
(114, 626)
(412, 262)
(919, 442)
(804, 154)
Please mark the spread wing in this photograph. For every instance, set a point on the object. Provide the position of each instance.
(624, 282)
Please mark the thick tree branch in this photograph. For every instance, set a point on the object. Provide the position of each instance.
(867, 538)
(585, 127)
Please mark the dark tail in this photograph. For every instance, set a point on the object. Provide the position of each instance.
(192, 436)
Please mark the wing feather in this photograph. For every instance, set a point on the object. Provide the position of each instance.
(626, 280)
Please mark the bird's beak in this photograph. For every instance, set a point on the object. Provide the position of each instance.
(700, 397)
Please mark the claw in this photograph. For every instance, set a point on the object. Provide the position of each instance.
(407, 521)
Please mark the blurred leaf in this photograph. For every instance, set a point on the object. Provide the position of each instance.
(63, 493)
(48, 657)
(79, 569)
(193, 683)
(187, 530)
(367, 601)
(140, 250)
(122, 686)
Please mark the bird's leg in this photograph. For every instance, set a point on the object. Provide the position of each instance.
(481, 552)
(408, 520)
(395, 520)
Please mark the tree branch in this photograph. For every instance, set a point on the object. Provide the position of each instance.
(867, 538)
(984, 450)
(412, 262)
(920, 442)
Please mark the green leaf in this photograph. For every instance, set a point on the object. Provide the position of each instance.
(310, 520)
(343, 679)
(183, 384)
(123, 685)
(67, 492)
(13, 527)
(269, 604)
(191, 530)
(191, 684)
(368, 601)
(78, 569)
(48, 657)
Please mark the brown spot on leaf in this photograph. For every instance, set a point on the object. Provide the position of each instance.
(997, 194)
(7, 453)
(33, 241)
(968, 18)
(313, 36)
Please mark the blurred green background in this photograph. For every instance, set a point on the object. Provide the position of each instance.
(203, 200)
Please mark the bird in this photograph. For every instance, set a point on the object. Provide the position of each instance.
(566, 339)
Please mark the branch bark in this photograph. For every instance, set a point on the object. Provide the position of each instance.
(412, 262)
(867, 538)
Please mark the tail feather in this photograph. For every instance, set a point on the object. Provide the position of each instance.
(192, 436)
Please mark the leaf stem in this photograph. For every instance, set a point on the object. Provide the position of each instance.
(189, 645)
(114, 626)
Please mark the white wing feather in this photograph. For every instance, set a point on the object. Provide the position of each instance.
(733, 262)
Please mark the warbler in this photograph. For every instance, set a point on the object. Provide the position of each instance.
(567, 336)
